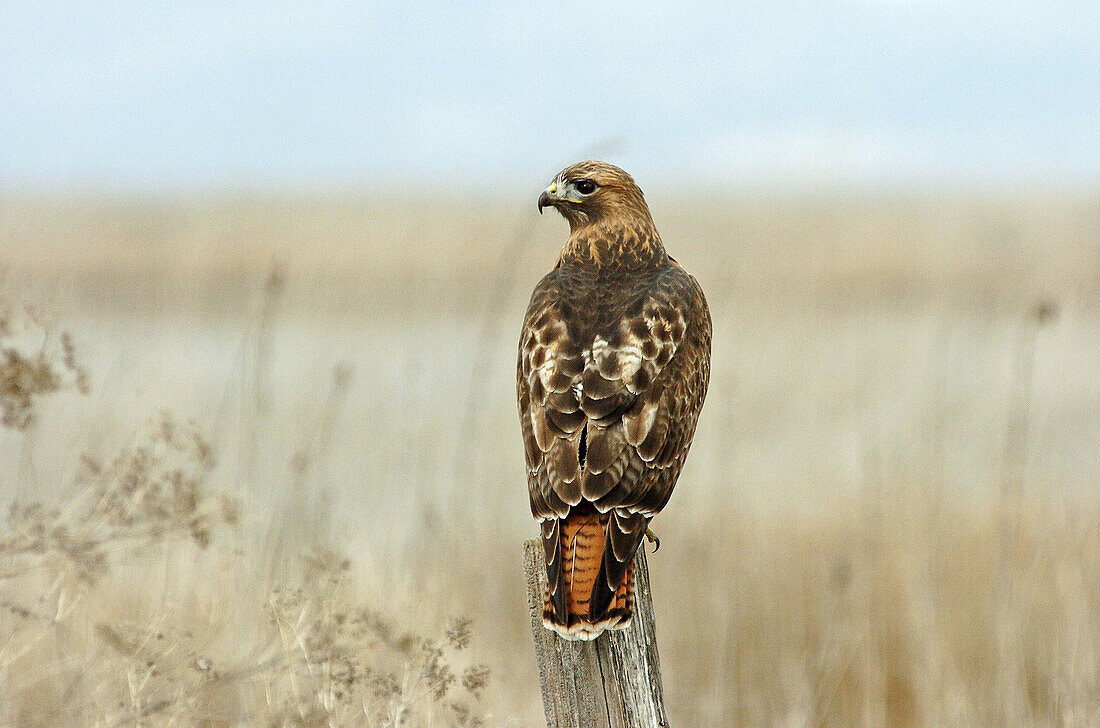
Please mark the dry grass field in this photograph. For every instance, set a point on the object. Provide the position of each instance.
(272, 474)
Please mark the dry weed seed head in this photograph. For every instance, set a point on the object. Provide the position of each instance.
(31, 366)
(458, 633)
(156, 488)
(358, 662)
(160, 485)
(330, 661)
(1045, 310)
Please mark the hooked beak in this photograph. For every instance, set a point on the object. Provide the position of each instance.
(549, 196)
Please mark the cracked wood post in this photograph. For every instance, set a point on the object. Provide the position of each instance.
(613, 681)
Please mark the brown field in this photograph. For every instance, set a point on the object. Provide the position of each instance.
(297, 461)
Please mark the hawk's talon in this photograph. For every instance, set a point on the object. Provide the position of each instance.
(652, 538)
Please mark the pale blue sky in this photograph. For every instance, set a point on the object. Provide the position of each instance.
(213, 93)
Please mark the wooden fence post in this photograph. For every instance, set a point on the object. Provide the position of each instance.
(613, 681)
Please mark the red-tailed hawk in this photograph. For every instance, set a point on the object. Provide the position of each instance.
(614, 361)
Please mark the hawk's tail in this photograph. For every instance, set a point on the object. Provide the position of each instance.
(580, 605)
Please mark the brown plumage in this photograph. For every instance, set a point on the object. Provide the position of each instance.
(614, 361)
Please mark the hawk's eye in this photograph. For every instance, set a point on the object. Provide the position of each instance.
(585, 186)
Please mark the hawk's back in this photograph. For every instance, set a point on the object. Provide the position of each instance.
(613, 369)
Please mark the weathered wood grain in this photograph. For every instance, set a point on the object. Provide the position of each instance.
(611, 682)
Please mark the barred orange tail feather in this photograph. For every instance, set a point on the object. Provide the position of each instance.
(581, 541)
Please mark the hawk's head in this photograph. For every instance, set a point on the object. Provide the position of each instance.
(589, 191)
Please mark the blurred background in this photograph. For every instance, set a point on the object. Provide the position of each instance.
(307, 234)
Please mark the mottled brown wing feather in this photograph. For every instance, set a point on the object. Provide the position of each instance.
(659, 376)
(550, 414)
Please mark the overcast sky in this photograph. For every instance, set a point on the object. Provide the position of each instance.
(213, 93)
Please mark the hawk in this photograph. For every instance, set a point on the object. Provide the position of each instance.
(614, 362)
